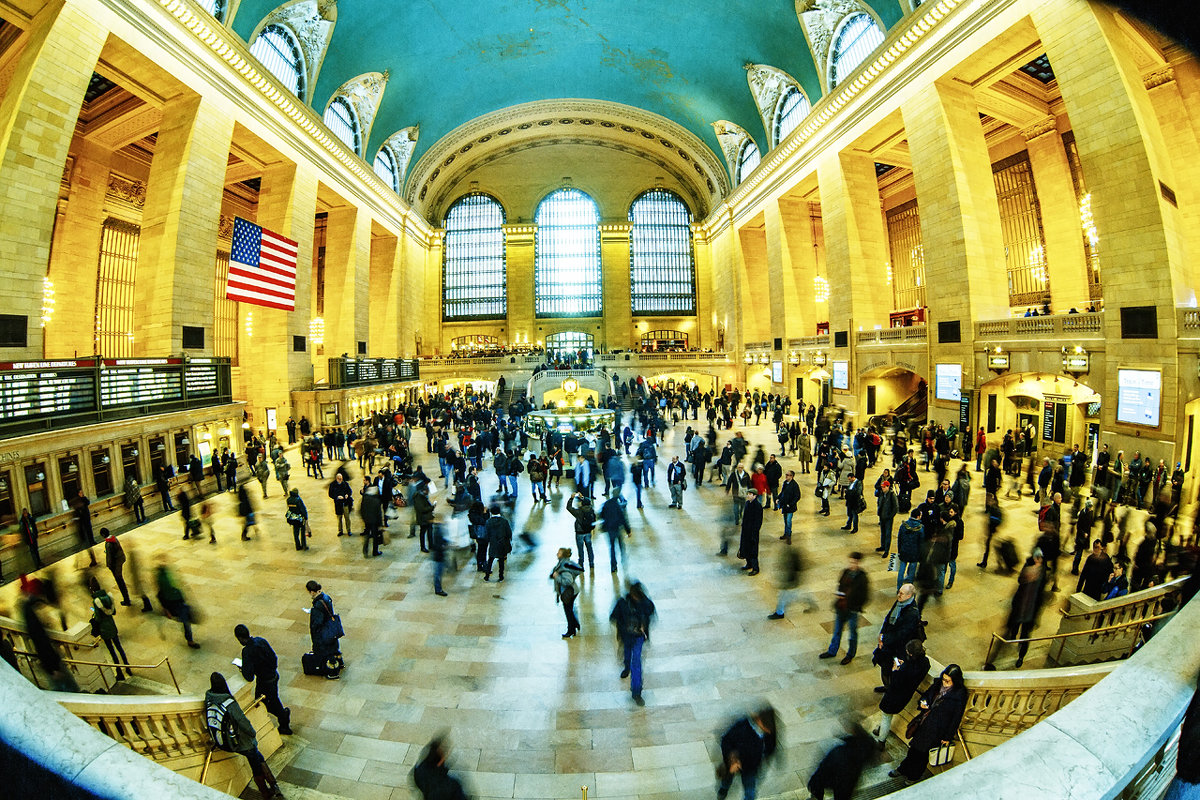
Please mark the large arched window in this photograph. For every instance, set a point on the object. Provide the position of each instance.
(343, 121)
(661, 272)
(789, 111)
(566, 262)
(278, 51)
(747, 160)
(856, 38)
(385, 168)
(474, 281)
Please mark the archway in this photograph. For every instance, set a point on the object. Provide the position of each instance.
(1062, 411)
(571, 343)
(701, 381)
(664, 342)
(891, 394)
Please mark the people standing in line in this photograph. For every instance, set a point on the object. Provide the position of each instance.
(942, 708)
(900, 625)
(114, 559)
(133, 499)
(324, 630)
(585, 520)
(615, 522)
(563, 575)
(372, 512)
(499, 535)
(297, 516)
(260, 664)
(29, 533)
(851, 596)
(104, 624)
(676, 482)
(908, 670)
(752, 517)
(1027, 603)
(239, 737)
(745, 749)
(632, 615)
(174, 604)
(432, 777)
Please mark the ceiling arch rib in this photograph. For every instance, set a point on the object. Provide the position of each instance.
(441, 170)
(401, 144)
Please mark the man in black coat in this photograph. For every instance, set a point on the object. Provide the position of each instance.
(433, 778)
(752, 517)
(902, 624)
(372, 517)
(343, 500)
(745, 747)
(499, 535)
(789, 498)
(259, 664)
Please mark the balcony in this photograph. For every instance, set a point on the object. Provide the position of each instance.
(1061, 326)
(890, 337)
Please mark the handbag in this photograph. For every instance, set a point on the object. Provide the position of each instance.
(914, 724)
(942, 754)
(335, 623)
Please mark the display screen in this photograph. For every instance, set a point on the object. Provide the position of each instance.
(200, 381)
(363, 371)
(43, 393)
(948, 382)
(841, 374)
(130, 386)
(777, 371)
(1139, 396)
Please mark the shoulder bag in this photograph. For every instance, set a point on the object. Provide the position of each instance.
(335, 623)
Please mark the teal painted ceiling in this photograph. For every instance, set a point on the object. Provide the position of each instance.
(453, 60)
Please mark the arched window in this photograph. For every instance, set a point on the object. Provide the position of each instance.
(385, 168)
(856, 39)
(661, 272)
(214, 7)
(278, 51)
(747, 160)
(343, 121)
(566, 261)
(474, 280)
(789, 111)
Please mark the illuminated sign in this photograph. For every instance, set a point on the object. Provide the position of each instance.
(1139, 396)
(841, 374)
(947, 382)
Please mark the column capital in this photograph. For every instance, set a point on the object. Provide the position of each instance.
(1158, 77)
(1039, 128)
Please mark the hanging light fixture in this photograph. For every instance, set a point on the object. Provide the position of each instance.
(47, 301)
(820, 289)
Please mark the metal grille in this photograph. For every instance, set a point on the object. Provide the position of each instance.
(792, 108)
(1087, 223)
(748, 158)
(661, 270)
(277, 50)
(908, 256)
(1021, 223)
(855, 40)
(319, 225)
(225, 314)
(385, 168)
(474, 278)
(566, 264)
(342, 120)
(115, 287)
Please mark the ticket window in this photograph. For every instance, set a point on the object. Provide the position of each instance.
(102, 473)
(68, 474)
(129, 461)
(39, 493)
(183, 448)
(8, 507)
(158, 457)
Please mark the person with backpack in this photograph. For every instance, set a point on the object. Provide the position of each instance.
(104, 625)
(565, 589)
(231, 732)
(259, 664)
(585, 520)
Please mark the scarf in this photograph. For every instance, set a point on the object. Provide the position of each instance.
(897, 607)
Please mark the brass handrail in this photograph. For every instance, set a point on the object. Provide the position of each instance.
(1175, 585)
(163, 661)
(1108, 628)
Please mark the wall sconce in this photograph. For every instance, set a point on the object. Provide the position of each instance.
(793, 358)
(72, 467)
(749, 358)
(763, 358)
(3, 486)
(160, 446)
(41, 476)
(133, 452)
(185, 440)
(819, 359)
(997, 359)
(104, 459)
(245, 426)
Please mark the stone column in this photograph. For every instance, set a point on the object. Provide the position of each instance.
(422, 316)
(518, 255)
(616, 309)
(176, 271)
(791, 270)
(1175, 95)
(38, 112)
(268, 366)
(386, 274)
(1066, 263)
(347, 268)
(1124, 160)
(706, 318)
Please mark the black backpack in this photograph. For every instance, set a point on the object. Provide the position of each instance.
(222, 727)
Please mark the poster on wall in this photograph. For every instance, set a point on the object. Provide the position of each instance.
(948, 382)
(777, 372)
(1139, 396)
(841, 374)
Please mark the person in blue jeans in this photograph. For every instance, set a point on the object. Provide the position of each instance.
(852, 593)
(908, 548)
(745, 748)
(632, 615)
(789, 498)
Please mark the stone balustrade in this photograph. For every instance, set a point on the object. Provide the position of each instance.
(911, 334)
(1085, 614)
(75, 643)
(1068, 326)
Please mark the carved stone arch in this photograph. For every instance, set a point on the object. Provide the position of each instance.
(401, 145)
(820, 20)
(364, 93)
(732, 137)
(312, 23)
(767, 85)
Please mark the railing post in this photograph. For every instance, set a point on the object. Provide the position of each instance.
(584, 788)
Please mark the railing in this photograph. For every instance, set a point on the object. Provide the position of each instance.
(1119, 618)
(75, 644)
(1189, 323)
(890, 336)
(104, 668)
(1072, 326)
(1095, 634)
(173, 732)
(552, 378)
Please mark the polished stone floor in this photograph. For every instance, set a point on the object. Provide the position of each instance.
(530, 715)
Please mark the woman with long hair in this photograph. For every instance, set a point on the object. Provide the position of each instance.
(941, 712)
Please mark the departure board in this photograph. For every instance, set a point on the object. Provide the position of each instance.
(200, 381)
(366, 371)
(39, 393)
(130, 386)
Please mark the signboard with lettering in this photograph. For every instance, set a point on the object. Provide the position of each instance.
(1139, 396)
(367, 371)
(964, 423)
(40, 393)
(947, 382)
(1054, 421)
(841, 374)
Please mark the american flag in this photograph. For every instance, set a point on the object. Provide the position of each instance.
(262, 267)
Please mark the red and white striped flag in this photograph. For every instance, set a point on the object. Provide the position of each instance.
(262, 267)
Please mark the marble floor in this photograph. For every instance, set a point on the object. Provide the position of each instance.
(530, 715)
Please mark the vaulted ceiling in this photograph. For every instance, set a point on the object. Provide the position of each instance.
(452, 61)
